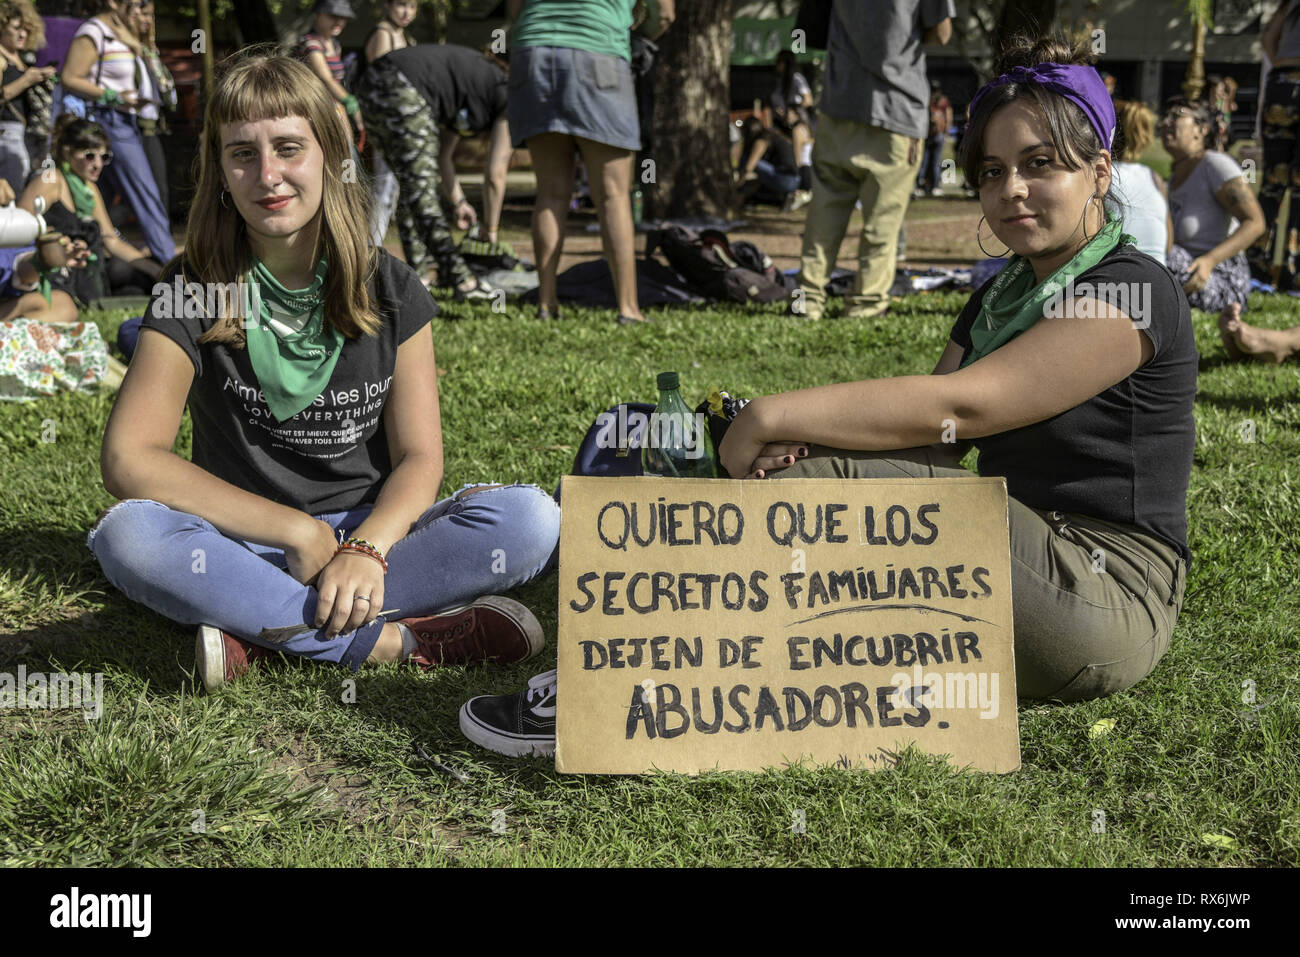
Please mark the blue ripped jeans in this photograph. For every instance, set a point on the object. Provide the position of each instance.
(182, 567)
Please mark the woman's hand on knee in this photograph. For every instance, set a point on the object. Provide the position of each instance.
(350, 593)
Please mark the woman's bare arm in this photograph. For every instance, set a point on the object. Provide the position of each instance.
(1235, 196)
(1272, 34)
(1033, 377)
(316, 60)
(137, 461)
(42, 186)
(381, 42)
(77, 66)
(118, 247)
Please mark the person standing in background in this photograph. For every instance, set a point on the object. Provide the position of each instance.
(571, 93)
(319, 49)
(931, 175)
(871, 121)
(17, 22)
(420, 100)
(1276, 259)
(1280, 143)
(791, 103)
(160, 96)
(388, 35)
(104, 69)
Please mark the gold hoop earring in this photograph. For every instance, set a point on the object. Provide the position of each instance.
(224, 193)
(980, 242)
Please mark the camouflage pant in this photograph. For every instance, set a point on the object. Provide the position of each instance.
(406, 131)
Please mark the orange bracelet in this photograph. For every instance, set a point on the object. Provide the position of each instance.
(363, 548)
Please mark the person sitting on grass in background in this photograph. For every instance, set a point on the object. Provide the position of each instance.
(1088, 417)
(305, 355)
(1137, 193)
(75, 207)
(767, 170)
(43, 346)
(1216, 217)
(23, 264)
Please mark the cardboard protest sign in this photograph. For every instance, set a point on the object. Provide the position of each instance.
(710, 624)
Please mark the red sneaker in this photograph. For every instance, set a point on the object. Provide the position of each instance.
(491, 629)
(221, 657)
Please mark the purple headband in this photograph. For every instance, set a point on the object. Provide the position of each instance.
(1081, 85)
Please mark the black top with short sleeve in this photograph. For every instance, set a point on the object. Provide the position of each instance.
(1125, 455)
(466, 90)
(333, 455)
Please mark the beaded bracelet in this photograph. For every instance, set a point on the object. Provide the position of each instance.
(365, 548)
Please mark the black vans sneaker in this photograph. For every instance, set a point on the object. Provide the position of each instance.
(518, 725)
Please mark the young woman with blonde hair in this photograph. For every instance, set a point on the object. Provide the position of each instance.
(1137, 193)
(306, 521)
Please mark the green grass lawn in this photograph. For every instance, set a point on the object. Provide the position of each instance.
(277, 770)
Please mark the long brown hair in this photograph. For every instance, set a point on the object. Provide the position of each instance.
(257, 86)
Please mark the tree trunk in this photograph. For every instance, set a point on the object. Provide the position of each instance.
(687, 171)
(1194, 80)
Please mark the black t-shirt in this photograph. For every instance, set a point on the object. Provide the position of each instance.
(779, 152)
(454, 79)
(333, 455)
(1124, 455)
(15, 110)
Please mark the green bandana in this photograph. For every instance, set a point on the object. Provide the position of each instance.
(83, 198)
(292, 348)
(1016, 299)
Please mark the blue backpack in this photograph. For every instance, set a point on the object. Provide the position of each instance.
(612, 446)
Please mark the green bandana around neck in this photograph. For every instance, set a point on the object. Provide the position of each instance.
(83, 198)
(292, 348)
(1016, 299)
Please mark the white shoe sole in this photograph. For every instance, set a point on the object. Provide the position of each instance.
(502, 742)
(210, 657)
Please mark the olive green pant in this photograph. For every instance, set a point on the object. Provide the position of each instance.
(1094, 602)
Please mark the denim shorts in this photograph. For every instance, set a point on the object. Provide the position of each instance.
(562, 90)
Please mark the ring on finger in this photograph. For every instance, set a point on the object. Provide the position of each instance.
(365, 598)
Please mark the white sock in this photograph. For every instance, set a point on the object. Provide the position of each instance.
(408, 639)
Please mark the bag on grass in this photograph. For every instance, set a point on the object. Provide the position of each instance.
(709, 264)
(612, 446)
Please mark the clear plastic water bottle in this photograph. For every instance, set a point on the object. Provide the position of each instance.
(677, 442)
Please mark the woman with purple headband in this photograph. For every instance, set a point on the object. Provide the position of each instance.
(1073, 372)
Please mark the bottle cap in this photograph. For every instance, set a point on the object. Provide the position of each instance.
(667, 381)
